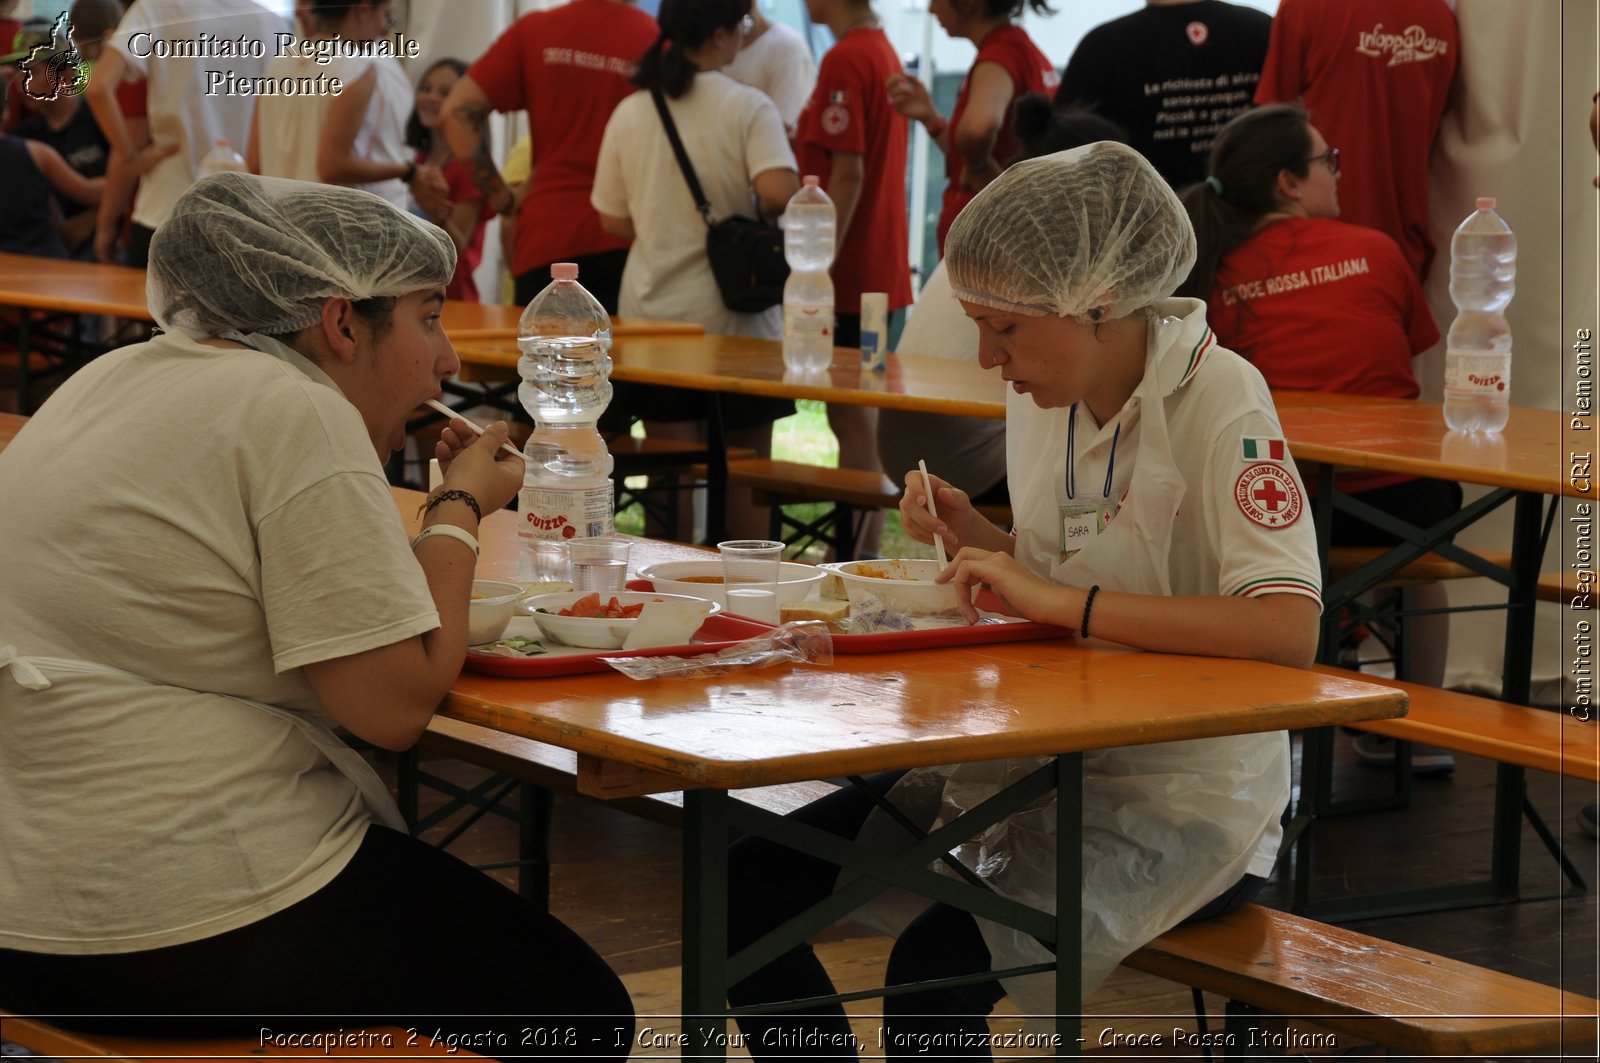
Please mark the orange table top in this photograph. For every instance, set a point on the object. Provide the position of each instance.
(118, 291)
(1409, 436)
(72, 287)
(744, 365)
(873, 712)
(489, 322)
(10, 425)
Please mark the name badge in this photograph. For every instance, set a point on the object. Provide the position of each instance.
(1080, 523)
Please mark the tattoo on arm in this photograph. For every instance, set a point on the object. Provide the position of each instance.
(484, 172)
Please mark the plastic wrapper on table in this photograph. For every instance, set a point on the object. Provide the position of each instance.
(797, 642)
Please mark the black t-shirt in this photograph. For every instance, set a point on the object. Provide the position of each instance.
(80, 142)
(1171, 75)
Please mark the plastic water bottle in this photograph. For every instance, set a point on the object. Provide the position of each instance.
(808, 225)
(1477, 358)
(221, 157)
(565, 339)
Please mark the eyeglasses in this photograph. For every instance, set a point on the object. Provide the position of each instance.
(1331, 157)
(747, 24)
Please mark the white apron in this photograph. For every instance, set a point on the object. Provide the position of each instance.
(1166, 828)
(30, 673)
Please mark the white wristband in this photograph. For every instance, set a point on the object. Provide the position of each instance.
(449, 530)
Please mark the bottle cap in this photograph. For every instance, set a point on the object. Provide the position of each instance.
(564, 271)
(811, 179)
(1486, 202)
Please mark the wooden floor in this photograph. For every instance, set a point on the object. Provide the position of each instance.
(616, 881)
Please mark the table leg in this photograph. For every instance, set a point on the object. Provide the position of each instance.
(716, 474)
(705, 922)
(1069, 903)
(1516, 681)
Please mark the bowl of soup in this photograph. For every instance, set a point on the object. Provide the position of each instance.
(493, 602)
(902, 585)
(703, 579)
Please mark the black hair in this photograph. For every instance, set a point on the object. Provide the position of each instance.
(1013, 8)
(330, 13)
(1044, 130)
(1241, 184)
(685, 25)
(419, 136)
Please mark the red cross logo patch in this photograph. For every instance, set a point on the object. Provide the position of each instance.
(1268, 495)
(835, 119)
(1198, 33)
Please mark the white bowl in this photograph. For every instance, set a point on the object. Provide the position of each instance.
(600, 633)
(493, 602)
(903, 585)
(795, 581)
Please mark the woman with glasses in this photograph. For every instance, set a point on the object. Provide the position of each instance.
(1318, 305)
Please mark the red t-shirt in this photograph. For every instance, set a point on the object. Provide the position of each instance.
(1030, 71)
(462, 189)
(1375, 75)
(1320, 305)
(568, 68)
(849, 111)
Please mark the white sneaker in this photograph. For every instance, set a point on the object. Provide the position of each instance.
(1378, 750)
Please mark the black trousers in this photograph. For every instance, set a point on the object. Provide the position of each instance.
(405, 935)
(768, 884)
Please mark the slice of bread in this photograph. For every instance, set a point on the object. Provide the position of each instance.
(832, 613)
(832, 587)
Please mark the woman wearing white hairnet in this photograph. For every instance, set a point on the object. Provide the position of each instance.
(1155, 507)
(205, 573)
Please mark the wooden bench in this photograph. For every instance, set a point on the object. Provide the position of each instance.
(1544, 739)
(46, 1040)
(1515, 737)
(1429, 568)
(1266, 962)
(850, 493)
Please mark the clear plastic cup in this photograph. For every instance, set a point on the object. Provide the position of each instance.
(599, 564)
(750, 577)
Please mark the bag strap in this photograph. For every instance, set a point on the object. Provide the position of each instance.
(683, 156)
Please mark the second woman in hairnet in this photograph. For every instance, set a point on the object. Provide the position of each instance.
(1156, 507)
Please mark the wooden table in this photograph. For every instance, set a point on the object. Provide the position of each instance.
(489, 322)
(1523, 464)
(881, 712)
(743, 365)
(29, 282)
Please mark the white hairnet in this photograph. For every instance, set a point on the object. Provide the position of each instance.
(1062, 234)
(261, 254)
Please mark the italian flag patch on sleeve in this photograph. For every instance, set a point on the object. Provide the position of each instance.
(1264, 449)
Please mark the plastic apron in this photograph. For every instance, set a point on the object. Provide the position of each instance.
(1167, 827)
(30, 673)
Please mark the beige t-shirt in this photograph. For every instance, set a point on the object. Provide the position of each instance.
(209, 520)
(731, 133)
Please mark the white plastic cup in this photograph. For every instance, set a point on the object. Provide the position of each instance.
(874, 331)
(598, 564)
(750, 577)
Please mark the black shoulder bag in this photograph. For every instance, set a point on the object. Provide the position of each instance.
(746, 254)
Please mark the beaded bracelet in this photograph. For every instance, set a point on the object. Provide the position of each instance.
(1088, 604)
(452, 495)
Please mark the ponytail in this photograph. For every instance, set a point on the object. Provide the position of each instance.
(685, 25)
(1241, 185)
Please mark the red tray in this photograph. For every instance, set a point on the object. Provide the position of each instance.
(930, 638)
(718, 631)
